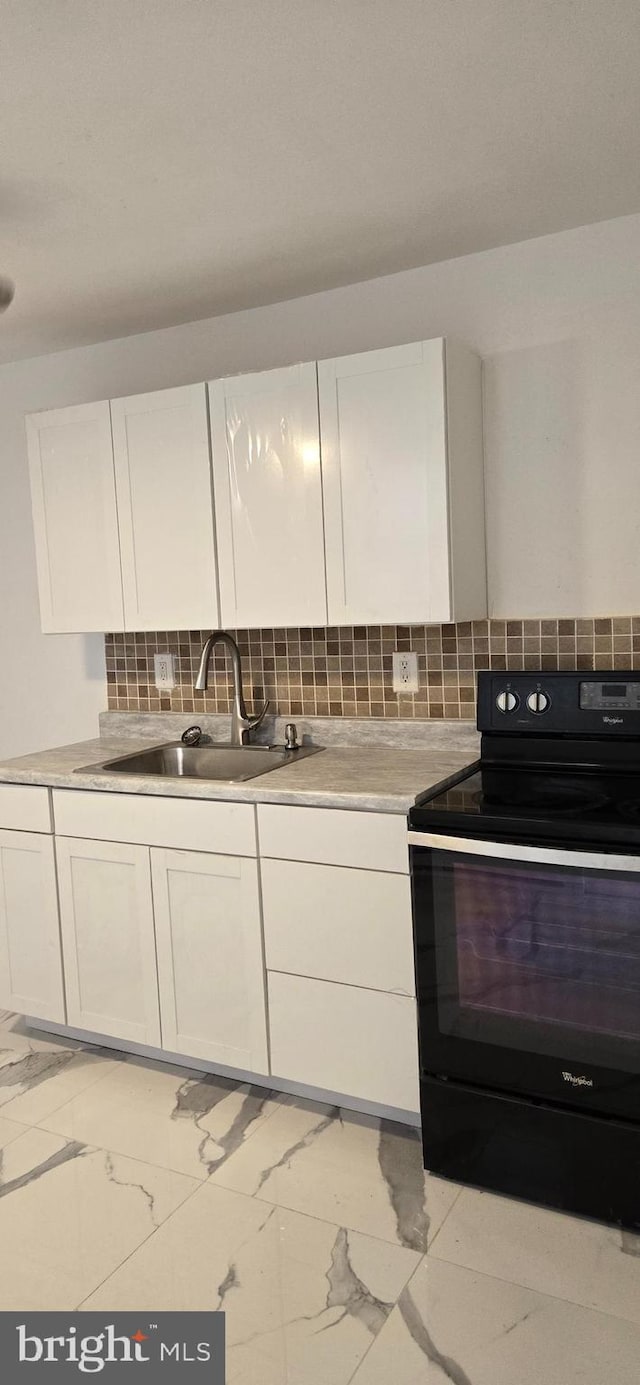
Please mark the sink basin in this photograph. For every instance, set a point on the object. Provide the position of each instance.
(229, 763)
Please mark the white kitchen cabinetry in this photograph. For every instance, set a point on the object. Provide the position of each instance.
(345, 1039)
(339, 952)
(183, 823)
(165, 509)
(401, 433)
(158, 937)
(334, 837)
(352, 926)
(75, 519)
(30, 961)
(268, 495)
(106, 915)
(210, 964)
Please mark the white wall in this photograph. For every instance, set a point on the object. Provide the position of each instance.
(558, 322)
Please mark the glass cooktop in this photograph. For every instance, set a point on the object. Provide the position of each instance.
(545, 802)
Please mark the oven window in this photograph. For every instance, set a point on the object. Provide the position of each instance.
(544, 945)
(538, 957)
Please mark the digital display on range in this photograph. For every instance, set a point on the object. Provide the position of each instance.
(604, 697)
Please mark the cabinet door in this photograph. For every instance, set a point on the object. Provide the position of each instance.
(30, 952)
(106, 915)
(383, 434)
(266, 469)
(210, 961)
(165, 509)
(75, 519)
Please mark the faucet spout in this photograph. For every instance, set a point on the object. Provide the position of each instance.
(241, 723)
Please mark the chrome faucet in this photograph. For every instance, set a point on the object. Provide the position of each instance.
(241, 723)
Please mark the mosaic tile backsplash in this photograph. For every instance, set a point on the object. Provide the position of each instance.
(346, 671)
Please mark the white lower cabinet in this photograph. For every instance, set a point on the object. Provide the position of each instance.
(344, 1039)
(106, 916)
(158, 944)
(210, 963)
(337, 924)
(30, 962)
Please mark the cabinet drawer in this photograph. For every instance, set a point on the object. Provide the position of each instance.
(186, 824)
(345, 1040)
(337, 924)
(25, 807)
(334, 837)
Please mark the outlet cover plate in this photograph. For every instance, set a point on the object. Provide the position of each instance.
(405, 671)
(164, 672)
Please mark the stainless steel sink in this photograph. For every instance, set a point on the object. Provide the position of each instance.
(230, 763)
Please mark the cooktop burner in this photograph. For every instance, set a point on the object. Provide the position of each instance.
(548, 794)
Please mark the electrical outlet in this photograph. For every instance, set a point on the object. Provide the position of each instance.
(405, 672)
(164, 670)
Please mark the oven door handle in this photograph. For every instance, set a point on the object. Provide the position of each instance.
(510, 851)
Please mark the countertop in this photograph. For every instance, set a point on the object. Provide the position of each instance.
(373, 778)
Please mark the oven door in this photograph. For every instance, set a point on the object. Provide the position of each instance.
(528, 969)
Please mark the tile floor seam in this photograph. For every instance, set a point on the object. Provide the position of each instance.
(430, 1244)
(20, 1125)
(529, 1289)
(124, 1154)
(408, 1280)
(144, 1242)
(324, 1221)
(19, 1096)
(89, 1148)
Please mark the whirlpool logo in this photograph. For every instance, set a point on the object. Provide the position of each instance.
(574, 1081)
(613, 721)
(172, 1348)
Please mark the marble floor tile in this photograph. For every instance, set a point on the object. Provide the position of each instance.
(584, 1261)
(69, 1215)
(173, 1117)
(38, 1075)
(353, 1170)
(303, 1298)
(9, 1130)
(453, 1324)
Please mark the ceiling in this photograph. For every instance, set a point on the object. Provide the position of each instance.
(167, 160)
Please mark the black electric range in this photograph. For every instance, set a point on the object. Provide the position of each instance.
(526, 898)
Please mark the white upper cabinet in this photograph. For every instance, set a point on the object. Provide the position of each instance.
(268, 494)
(163, 483)
(75, 519)
(346, 493)
(401, 434)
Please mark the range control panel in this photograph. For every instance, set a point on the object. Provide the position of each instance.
(559, 703)
(608, 697)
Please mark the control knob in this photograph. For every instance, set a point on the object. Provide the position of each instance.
(507, 701)
(538, 702)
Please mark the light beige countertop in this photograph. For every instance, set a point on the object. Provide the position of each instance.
(373, 777)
